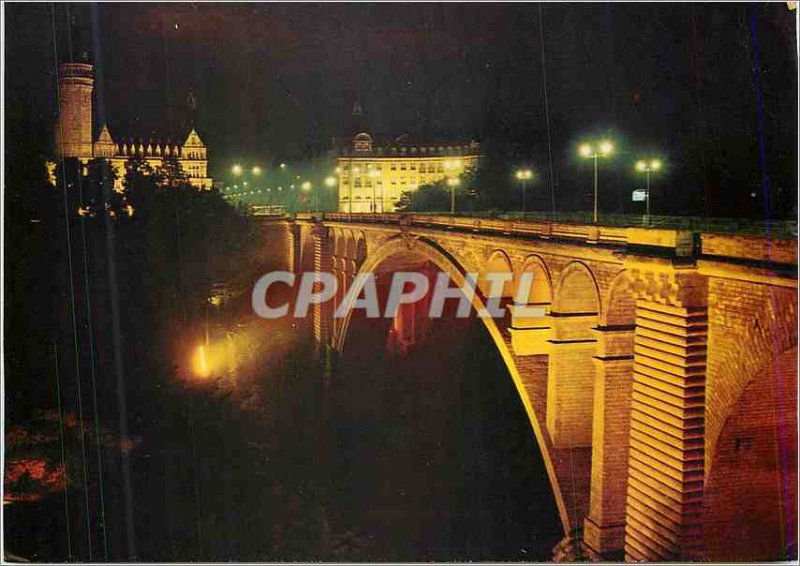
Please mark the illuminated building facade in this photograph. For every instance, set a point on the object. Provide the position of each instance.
(371, 179)
(73, 134)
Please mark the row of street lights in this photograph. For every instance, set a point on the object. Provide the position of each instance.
(238, 171)
(596, 151)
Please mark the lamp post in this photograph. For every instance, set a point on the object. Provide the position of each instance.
(330, 182)
(354, 171)
(453, 182)
(647, 167)
(524, 175)
(306, 186)
(452, 168)
(374, 174)
(236, 170)
(595, 151)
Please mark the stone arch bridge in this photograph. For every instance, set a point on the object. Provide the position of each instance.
(660, 384)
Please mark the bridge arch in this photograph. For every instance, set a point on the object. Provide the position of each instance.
(349, 244)
(339, 247)
(749, 504)
(430, 251)
(498, 262)
(541, 292)
(360, 248)
(577, 290)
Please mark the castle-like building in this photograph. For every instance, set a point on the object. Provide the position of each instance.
(371, 179)
(74, 136)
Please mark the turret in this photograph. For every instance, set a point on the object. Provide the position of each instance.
(73, 133)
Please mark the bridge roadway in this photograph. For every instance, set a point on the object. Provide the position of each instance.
(661, 383)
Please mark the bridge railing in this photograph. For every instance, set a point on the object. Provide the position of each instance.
(779, 229)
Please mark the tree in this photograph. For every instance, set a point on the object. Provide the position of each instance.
(436, 196)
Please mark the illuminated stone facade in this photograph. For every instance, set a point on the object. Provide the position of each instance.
(660, 383)
(371, 179)
(73, 134)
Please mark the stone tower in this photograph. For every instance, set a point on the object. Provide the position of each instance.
(73, 133)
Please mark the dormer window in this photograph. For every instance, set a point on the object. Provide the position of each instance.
(362, 142)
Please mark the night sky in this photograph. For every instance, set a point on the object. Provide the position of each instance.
(276, 82)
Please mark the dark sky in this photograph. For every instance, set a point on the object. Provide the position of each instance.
(274, 81)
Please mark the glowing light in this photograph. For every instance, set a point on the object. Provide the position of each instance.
(606, 147)
(585, 150)
(236, 169)
(524, 174)
(200, 362)
(453, 182)
(338, 170)
(306, 186)
(83, 211)
(256, 170)
(129, 210)
(374, 173)
(283, 166)
(330, 181)
(652, 165)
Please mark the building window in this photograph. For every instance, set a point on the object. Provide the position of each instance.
(413, 166)
(394, 166)
(402, 167)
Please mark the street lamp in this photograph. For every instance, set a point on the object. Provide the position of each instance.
(453, 182)
(374, 174)
(647, 167)
(256, 171)
(594, 151)
(330, 182)
(524, 175)
(236, 169)
(305, 186)
(355, 171)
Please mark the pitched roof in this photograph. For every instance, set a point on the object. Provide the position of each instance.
(193, 140)
(104, 137)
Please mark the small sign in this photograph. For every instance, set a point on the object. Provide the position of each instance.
(639, 195)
